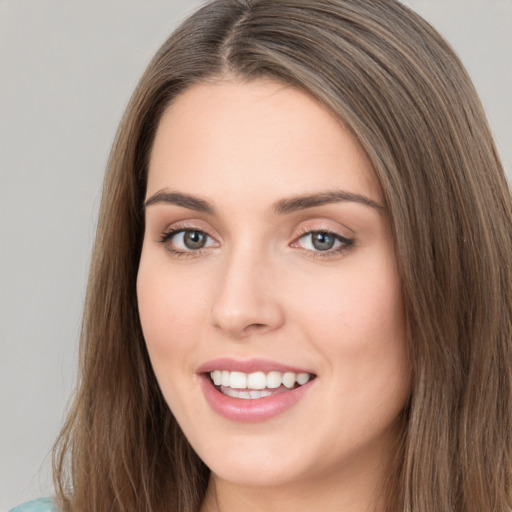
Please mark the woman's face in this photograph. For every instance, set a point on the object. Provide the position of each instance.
(268, 267)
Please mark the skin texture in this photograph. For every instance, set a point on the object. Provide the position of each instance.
(260, 289)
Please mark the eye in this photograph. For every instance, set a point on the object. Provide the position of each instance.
(193, 239)
(186, 240)
(323, 242)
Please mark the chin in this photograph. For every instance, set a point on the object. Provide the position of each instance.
(264, 464)
(249, 474)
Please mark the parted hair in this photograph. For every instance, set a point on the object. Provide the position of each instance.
(399, 88)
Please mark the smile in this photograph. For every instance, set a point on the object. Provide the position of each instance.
(251, 386)
(252, 391)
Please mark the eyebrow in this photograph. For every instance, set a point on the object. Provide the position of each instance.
(180, 199)
(281, 207)
(284, 206)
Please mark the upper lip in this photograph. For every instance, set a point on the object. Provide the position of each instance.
(248, 366)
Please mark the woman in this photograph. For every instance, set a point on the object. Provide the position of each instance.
(300, 294)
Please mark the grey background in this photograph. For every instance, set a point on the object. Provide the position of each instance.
(67, 69)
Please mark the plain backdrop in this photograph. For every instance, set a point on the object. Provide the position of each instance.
(67, 69)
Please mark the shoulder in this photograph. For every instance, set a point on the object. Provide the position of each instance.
(40, 505)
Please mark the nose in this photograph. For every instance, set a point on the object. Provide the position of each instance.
(247, 300)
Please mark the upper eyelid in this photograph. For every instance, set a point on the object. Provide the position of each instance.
(174, 229)
(310, 229)
(186, 225)
(322, 228)
(195, 225)
(343, 239)
(171, 232)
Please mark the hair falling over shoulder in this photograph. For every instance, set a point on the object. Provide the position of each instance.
(406, 98)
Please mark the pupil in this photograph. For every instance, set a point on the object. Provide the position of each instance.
(323, 241)
(194, 239)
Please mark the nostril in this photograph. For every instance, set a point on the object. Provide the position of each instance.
(254, 327)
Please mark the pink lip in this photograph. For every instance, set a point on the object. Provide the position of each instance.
(248, 366)
(242, 410)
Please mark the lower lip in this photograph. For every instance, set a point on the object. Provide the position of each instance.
(251, 410)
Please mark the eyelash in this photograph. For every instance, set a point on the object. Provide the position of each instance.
(167, 236)
(346, 244)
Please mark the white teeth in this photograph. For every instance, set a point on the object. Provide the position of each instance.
(235, 393)
(238, 380)
(257, 381)
(246, 395)
(274, 379)
(259, 394)
(302, 378)
(289, 380)
(217, 377)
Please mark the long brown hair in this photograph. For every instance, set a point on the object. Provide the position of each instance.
(396, 84)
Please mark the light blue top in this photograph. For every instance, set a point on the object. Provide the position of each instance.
(40, 505)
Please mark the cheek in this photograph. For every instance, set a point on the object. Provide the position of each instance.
(169, 311)
(170, 315)
(353, 306)
(356, 320)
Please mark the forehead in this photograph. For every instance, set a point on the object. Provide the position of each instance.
(239, 136)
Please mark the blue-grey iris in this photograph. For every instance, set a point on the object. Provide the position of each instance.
(322, 241)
